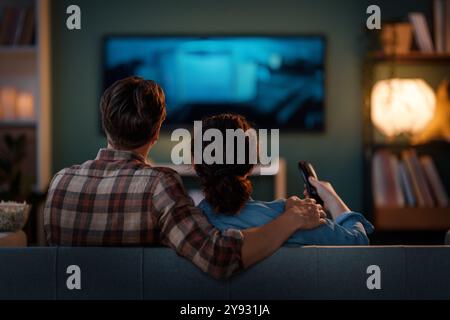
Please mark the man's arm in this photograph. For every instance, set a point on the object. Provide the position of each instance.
(350, 229)
(185, 228)
(261, 242)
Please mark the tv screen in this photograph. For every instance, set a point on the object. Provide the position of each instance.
(275, 81)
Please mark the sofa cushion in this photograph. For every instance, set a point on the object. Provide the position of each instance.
(106, 273)
(343, 272)
(428, 272)
(28, 273)
(168, 276)
(290, 273)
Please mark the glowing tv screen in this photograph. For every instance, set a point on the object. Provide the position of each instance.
(275, 81)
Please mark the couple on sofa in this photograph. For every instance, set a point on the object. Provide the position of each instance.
(120, 199)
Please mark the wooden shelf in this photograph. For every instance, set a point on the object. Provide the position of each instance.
(396, 219)
(14, 50)
(414, 56)
(17, 123)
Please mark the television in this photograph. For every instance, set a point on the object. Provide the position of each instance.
(275, 81)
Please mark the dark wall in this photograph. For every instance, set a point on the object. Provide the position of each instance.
(336, 153)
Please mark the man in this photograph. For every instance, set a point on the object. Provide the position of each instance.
(119, 199)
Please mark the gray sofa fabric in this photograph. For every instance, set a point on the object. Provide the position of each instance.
(399, 272)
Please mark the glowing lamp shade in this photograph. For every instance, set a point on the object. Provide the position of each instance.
(24, 106)
(402, 106)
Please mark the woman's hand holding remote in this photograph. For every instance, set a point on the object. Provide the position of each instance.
(332, 202)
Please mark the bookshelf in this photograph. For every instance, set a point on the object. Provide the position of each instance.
(17, 123)
(412, 218)
(27, 68)
(16, 50)
(432, 68)
(391, 219)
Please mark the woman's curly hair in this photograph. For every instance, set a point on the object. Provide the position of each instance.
(226, 186)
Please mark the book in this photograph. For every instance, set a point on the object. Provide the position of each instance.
(424, 186)
(399, 198)
(420, 201)
(405, 181)
(419, 182)
(6, 25)
(421, 32)
(19, 26)
(386, 180)
(2, 22)
(439, 25)
(379, 194)
(388, 186)
(434, 181)
(28, 29)
(447, 26)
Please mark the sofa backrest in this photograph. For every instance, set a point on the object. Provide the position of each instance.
(390, 272)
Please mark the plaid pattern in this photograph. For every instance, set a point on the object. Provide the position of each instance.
(119, 199)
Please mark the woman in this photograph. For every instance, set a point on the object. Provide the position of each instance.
(228, 202)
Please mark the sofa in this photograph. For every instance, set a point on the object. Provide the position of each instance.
(157, 273)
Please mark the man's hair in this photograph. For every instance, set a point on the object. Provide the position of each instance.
(133, 110)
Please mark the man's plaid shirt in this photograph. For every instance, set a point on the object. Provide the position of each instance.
(119, 199)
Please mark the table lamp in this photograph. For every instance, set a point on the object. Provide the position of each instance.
(402, 106)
